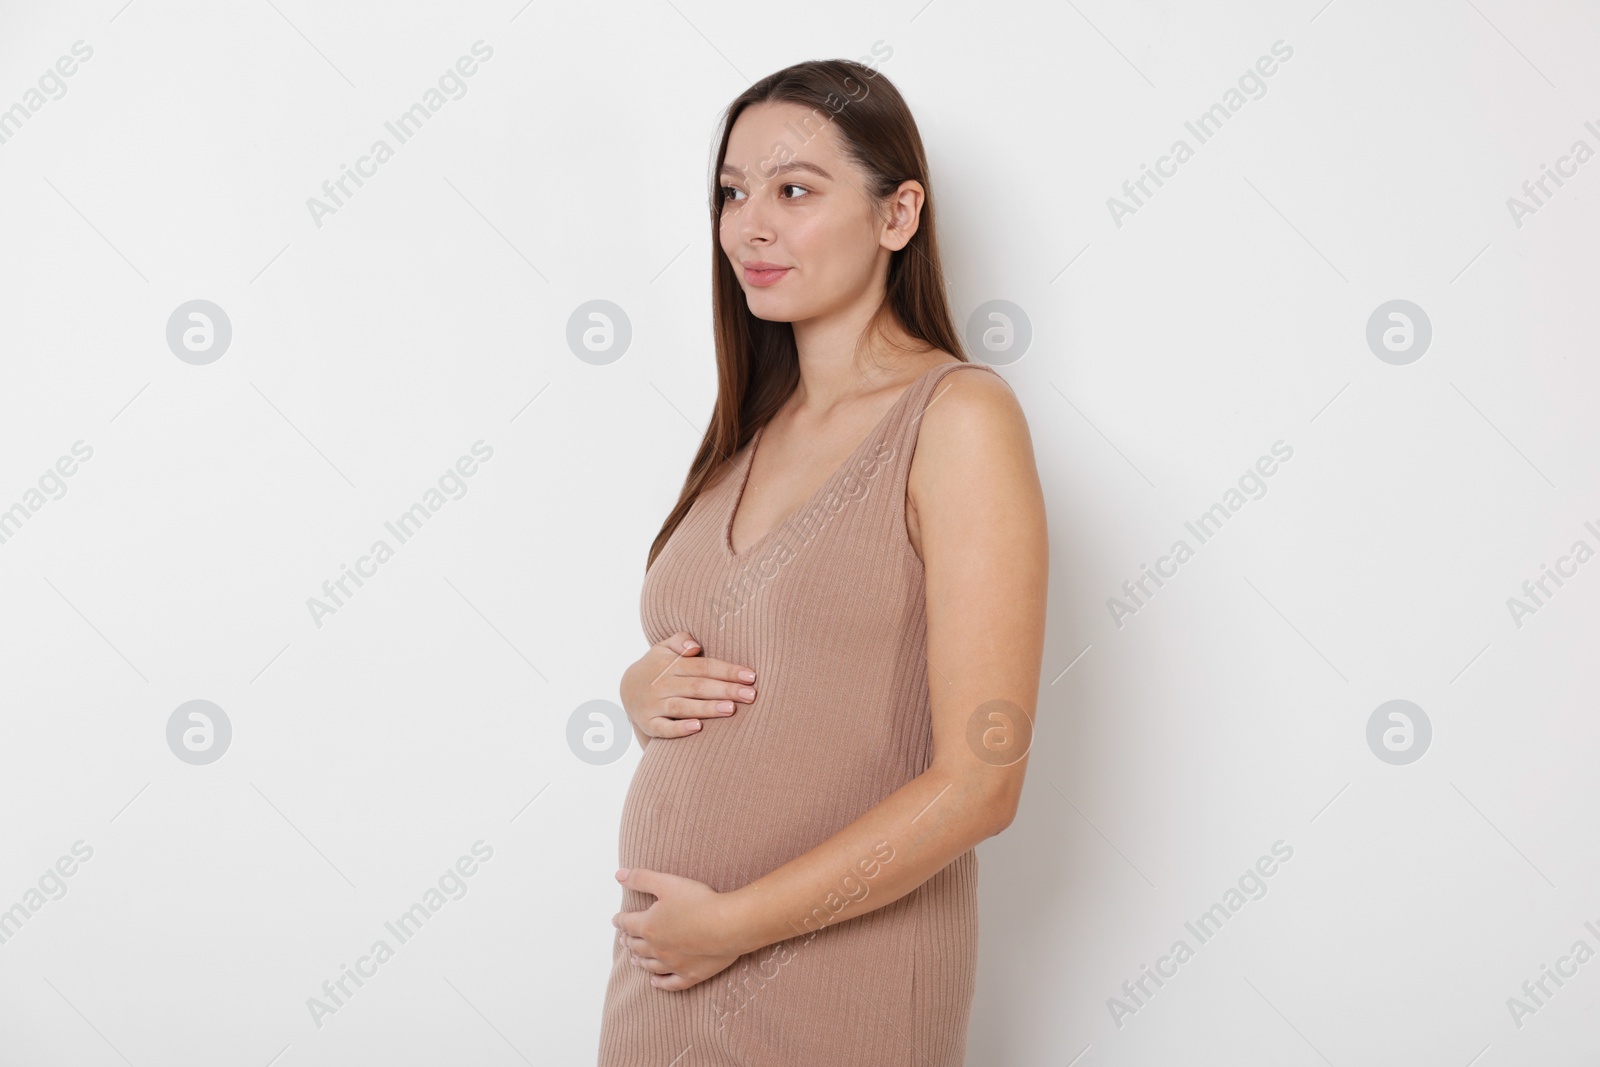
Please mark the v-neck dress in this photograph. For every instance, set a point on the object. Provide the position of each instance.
(828, 609)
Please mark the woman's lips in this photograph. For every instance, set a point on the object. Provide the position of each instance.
(764, 278)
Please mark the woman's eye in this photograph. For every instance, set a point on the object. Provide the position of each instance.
(729, 192)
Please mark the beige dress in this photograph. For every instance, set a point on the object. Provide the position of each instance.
(828, 609)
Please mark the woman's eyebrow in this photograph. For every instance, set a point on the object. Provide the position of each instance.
(728, 169)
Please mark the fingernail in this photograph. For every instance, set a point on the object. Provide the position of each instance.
(747, 693)
(693, 726)
(621, 874)
(747, 676)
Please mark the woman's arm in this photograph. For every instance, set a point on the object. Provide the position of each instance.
(980, 514)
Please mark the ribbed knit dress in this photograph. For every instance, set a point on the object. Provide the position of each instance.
(828, 609)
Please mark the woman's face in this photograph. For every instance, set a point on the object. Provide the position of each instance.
(791, 199)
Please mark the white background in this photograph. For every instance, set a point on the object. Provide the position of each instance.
(1168, 353)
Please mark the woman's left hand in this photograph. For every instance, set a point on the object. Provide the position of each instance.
(684, 937)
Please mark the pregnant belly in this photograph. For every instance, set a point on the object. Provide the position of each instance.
(721, 809)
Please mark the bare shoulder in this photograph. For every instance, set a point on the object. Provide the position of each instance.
(973, 459)
(973, 420)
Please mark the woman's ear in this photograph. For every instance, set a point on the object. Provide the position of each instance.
(905, 214)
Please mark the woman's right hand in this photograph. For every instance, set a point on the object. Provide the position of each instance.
(669, 689)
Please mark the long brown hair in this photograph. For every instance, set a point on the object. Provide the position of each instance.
(757, 364)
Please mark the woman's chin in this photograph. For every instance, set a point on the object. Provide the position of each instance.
(770, 310)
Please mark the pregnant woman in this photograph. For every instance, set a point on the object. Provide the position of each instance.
(846, 616)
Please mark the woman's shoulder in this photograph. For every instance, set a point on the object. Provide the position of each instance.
(972, 401)
(973, 424)
(972, 467)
